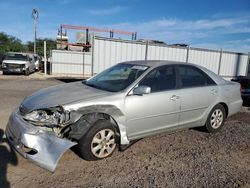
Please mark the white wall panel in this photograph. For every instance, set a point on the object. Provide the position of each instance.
(208, 59)
(109, 52)
(166, 53)
(233, 64)
(68, 62)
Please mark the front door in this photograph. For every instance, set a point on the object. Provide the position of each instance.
(152, 113)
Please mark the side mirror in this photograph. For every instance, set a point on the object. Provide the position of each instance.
(140, 90)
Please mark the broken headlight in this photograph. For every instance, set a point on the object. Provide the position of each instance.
(47, 117)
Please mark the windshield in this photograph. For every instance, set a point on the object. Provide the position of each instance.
(117, 78)
(19, 57)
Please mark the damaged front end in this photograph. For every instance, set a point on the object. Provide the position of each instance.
(38, 136)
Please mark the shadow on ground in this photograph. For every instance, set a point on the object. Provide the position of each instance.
(7, 156)
(13, 74)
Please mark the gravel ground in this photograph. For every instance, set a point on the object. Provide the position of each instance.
(190, 158)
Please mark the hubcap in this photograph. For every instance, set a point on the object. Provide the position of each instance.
(103, 143)
(216, 119)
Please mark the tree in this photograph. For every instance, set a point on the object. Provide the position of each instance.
(10, 43)
(51, 44)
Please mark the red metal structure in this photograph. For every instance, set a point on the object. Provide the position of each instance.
(111, 31)
(88, 29)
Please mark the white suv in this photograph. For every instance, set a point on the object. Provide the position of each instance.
(15, 62)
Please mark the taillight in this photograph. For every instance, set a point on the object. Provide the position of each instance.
(241, 88)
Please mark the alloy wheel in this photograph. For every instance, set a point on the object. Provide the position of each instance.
(216, 118)
(103, 143)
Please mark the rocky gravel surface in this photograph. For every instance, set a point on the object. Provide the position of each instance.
(189, 158)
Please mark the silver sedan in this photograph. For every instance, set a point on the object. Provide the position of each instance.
(126, 102)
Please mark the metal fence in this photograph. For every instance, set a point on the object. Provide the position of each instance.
(110, 52)
(69, 62)
(107, 52)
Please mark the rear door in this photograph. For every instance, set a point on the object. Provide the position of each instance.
(152, 113)
(198, 92)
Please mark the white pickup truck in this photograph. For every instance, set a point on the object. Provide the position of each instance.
(16, 62)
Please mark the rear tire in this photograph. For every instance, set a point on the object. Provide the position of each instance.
(216, 119)
(99, 142)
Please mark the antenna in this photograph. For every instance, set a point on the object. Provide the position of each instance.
(35, 16)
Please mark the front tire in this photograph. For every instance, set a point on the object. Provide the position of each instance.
(27, 72)
(216, 119)
(99, 142)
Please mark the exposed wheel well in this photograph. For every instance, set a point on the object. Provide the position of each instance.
(114, 123)
(225, 107)
(82, 126)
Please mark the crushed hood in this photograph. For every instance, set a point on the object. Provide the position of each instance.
(61, 94)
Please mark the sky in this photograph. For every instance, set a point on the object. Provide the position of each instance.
(212, 24)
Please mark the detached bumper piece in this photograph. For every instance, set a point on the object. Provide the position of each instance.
(37, 145)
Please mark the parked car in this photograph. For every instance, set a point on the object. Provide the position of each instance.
(37, 60)
(124, 103)
(152, 41)
(180, 45)
(1, 60)
(16, 62)
(245, 88)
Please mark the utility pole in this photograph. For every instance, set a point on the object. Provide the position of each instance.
(35, 15)
(45, 57)
(146, 51)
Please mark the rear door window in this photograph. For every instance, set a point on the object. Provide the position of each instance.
(193, 77)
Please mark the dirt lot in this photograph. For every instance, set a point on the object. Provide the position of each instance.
(185, 159)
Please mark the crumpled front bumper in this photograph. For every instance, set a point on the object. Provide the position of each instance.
(39, 146)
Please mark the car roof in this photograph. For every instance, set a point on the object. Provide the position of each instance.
(155, 63)
(24, 54)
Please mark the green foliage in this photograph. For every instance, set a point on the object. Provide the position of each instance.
(51, 44)
(9, 43)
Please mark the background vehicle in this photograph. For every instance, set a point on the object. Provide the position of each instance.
(16, 62)
(37, 60)
(1, 60)
(245, 88)
(152, 41)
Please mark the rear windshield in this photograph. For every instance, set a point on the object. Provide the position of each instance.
(19, 57)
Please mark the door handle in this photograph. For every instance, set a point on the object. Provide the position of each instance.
(174, 97)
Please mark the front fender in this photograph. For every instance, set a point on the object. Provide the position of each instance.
(81, 125)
